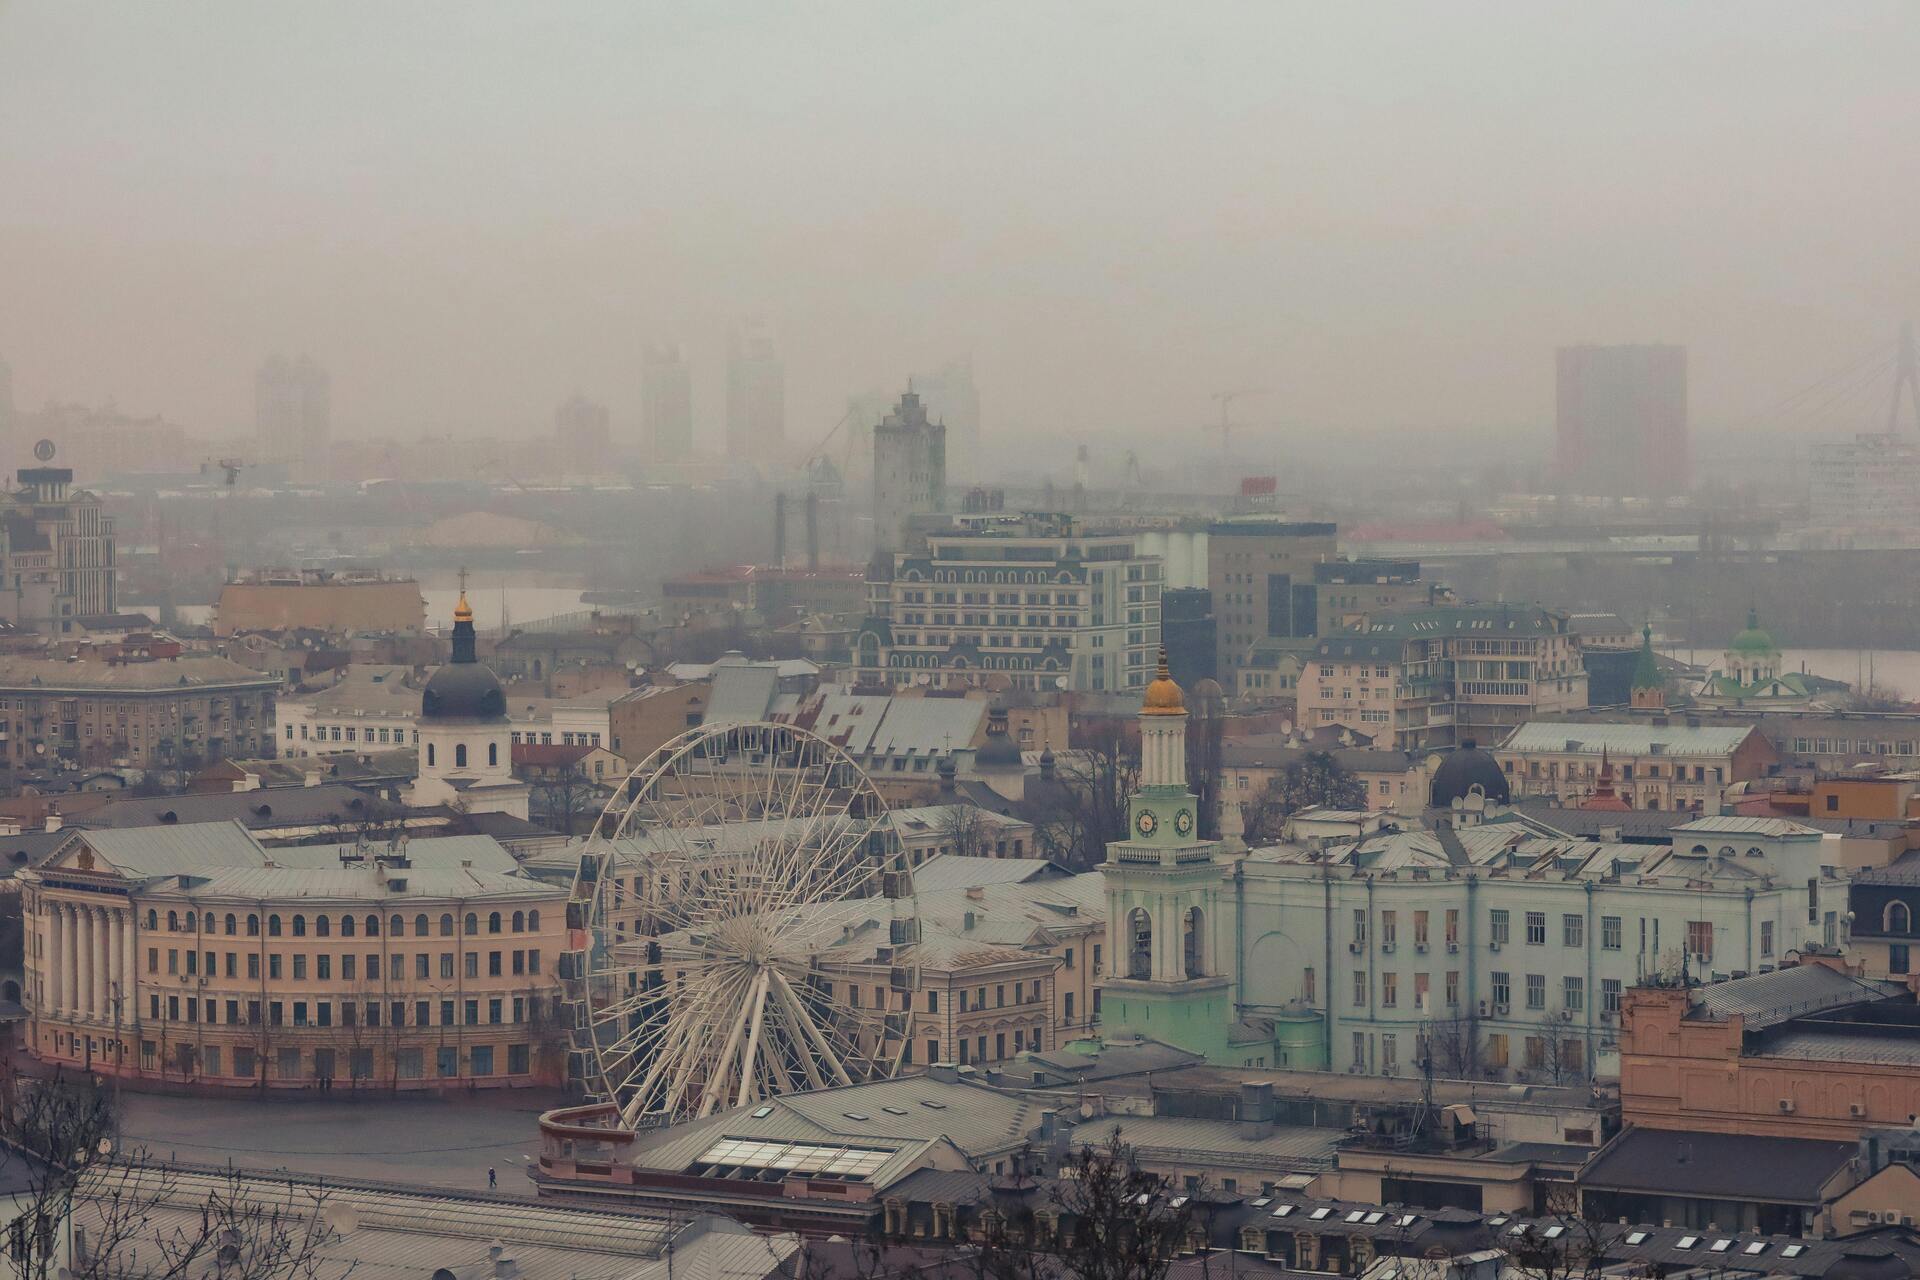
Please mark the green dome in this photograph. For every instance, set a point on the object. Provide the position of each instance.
(1754, 639)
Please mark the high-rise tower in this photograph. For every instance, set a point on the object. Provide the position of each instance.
(293, 415)
(756, 398)
(666, 404)
(909, 472)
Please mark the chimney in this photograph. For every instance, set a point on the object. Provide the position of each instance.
(54, 821)
(1256, 1108)
(944, 1073)
(311, 778)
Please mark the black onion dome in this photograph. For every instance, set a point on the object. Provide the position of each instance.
(1467, 768)
(463, 691)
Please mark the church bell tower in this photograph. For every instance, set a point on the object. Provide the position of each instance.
(1165, 976)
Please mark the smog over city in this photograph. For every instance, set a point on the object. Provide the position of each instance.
(841, 642)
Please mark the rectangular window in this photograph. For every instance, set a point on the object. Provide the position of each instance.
(519, 1060)
(1573, 930)
(473, 964)
(1360, 925)
(373, 968)
(1609, 995)
(1536, 991)
(348, 967)
(1766, 938)
(473, 1013)
(1420, 928)
(446, 964)
(422, 962)
(1497, 927)
(1700, 940)
(1609, 933)
(1453, 926)
(1536, 928)
(1453, 988)
(299, 1013)
(1576, 994)
(1502, 990)
(1389, 990)
(1497, 1050)
(1359, 988)
(446, 1013)
(299, 968)
(1897, 958)
(253, 964)
(1389, 928)
(493, 1011)
(493, 964)
(1420, 982)
(273, 966)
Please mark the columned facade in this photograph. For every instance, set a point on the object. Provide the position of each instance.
(81, 973)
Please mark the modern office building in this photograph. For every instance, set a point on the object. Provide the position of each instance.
(583, 433)
(1261, 575)
(666, 404)
(909, 472)
(293, 415)
(1037, 600)
(756, 398)
(1621, 421)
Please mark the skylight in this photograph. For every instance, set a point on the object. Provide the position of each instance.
(1554, 1232)
(761, 1113)
(1281, 1211)
(1263, 1202)
(1356, 1215)
(1687, 1242)
(1374, 1217)
(1637, 1237)
(1721, 1246)
(1319, 1214)
(811, 1159)
(1792, 1250)
(1758, 1246)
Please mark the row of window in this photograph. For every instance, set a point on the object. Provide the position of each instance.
(321, 1013)
(522, 962)
(378, 735)
(208, 922)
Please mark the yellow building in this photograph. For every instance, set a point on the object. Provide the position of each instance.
(193, 954)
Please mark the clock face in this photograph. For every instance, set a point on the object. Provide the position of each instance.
(1146, 824)
(1183, 822)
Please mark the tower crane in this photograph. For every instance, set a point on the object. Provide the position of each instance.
(1226, 399)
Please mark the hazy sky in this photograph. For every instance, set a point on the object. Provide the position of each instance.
(1388, 214)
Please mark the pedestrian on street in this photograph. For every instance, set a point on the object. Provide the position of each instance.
(493, 1179)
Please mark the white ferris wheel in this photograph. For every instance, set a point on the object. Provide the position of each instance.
(702, 895)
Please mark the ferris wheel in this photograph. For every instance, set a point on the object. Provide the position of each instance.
(701, 900)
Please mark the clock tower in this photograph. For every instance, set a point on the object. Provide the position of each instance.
(1164, 977)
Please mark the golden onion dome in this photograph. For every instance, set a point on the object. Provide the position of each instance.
(1163, 695)
(463, 612)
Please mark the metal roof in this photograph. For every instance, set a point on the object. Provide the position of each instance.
(1767, 999)
(1734, 824)
(1581, 738)
(955, 871)
(175, 850)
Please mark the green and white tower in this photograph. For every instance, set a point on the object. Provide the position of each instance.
(1165, 901)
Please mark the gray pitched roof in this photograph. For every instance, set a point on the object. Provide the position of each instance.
(1586, 738)
(279, 807)
(953, 871)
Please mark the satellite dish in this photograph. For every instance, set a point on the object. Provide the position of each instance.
(44, 451)
(342, 1218)
(104, 1146)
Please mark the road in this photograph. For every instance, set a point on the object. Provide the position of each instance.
(448, 1142)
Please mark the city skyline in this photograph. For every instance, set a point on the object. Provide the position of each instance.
(1290, 199)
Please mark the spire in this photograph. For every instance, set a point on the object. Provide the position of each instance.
(1646, 671)
(463, 640)
(1163, 695)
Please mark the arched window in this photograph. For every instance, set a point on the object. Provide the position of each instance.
(373, 926)
(299, 926)
(322, 926)
(519, 922)
(459, 755)
(346, 926)
(153, 918)
(493, 922)
(429, 755)
(420, 925)
(533, 921)
(233, 924)
(1140, 944)
(253, 926)
(493, 755)
(273, 926)
(396, 927)
(446, 924)
(1194, 943)
(473, 924)
(1898, 918)
(173, 922)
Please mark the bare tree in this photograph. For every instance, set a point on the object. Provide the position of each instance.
(1087, 811)
(1453, 1047)
(567, 800)
(965, 830)
(118, 1215)
(1565, 1244)
(1562, 1051)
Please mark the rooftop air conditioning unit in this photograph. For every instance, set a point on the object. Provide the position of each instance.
(1493, 946)
(1786, 1106)
(1453, 948)
(1856, 1109)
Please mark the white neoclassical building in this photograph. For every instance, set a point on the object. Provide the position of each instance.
(464, 735)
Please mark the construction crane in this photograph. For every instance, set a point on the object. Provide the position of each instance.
(231, 466)
(1226, 399)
